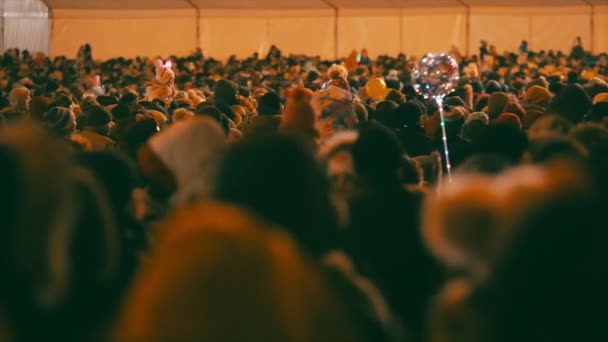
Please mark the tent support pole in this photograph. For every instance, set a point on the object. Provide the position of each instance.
(592, 30)
(467, 30)
(336, 14)
(50, 9)
(198, 22)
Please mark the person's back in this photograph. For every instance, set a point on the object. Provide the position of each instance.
(383, 235)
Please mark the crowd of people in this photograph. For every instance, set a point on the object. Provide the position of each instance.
(288, 198)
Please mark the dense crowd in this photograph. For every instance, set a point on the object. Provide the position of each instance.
(288, 198)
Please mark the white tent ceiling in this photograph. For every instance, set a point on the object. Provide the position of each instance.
(296, 4)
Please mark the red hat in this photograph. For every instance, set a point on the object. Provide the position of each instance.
(510, 119)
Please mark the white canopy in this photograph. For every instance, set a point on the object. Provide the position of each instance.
(329, 28)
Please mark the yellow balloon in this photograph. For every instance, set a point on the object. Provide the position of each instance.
(376, 89)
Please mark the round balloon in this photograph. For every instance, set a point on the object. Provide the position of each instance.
(436, 75)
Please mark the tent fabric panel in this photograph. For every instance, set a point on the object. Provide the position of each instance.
(223, 37)
(558, 32)
(261, 4)
(379, 34)
(305, 35)
(448, 30)
(30, 34)
(118, 4)
(146, 35)
(503, 31)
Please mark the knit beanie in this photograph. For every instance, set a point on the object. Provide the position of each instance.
(540, 82)
(60, 120)
(537, 95)
(88, 102)
(493, 87)
(478, 116)
(515, 108)
(182, 114)
(510, 119)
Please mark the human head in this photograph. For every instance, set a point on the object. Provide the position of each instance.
(270, 104)
(496, 103)
(60, 121)
(98, 119)
(537, 95)
(572, 103)
(20, 99)
(259, 173)
(255, 282)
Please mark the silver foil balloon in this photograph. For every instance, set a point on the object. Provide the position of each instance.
(436, 75)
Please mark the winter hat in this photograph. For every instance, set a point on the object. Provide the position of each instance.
(269, 104)
(603, 97)
(493, 87)
(107, 100)
(454, 101)
(539, 82)
(496, 103)
(478, 116)
(455, 114)
(537, 95)
(96, 115)
(258, 93)
(190, 150)
(160, 118)
(154, 105)
(225, 92)
(195, 97)
(515, 108)
(182, 114)
(182, 98)
(299, 116)
(86, 103)
(129, 98)
(60, 120)
(510, 119)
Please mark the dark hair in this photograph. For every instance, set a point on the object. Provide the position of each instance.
(278, 178)
(384, 112)
(377, 154)
(572, 103)
(503, 140)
